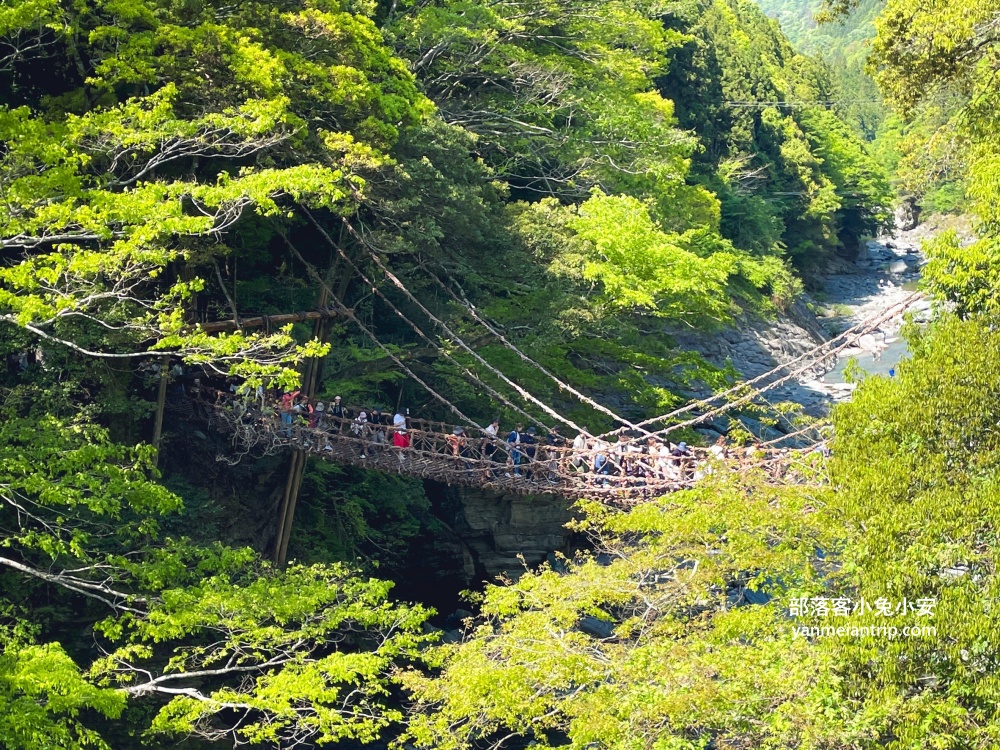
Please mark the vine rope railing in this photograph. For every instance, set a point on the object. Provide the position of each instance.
(614, 473)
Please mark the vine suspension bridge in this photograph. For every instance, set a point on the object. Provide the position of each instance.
(443, 452)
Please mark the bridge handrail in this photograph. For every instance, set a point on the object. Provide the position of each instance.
(481, 461)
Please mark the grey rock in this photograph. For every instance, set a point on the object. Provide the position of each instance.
(499, 530)
(556, 563)
(760, 431)
(710, 436)
(756, 597)
(596, 627)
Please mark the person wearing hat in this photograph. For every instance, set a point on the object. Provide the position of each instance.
(682, 458)
(490, 443)
(399, 437)
(320, 414)
(336, 409)
(457, 441)
(360, 429)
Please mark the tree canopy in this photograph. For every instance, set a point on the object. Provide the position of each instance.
(587, 177)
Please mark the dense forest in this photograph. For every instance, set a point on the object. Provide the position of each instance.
(917, 148)
(469, 210)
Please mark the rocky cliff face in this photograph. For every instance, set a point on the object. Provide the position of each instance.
(501, 533)
(754, 345)
(907, 214)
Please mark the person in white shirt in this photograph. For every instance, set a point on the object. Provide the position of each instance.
(490, 443)
(719, 449)
(579, 462)
(400, 438)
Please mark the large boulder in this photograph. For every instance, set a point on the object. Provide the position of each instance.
(898, 266)
(907, 214)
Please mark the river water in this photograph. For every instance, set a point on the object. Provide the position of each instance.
(868, 291)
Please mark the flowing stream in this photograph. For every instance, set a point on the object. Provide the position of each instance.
(888, 270)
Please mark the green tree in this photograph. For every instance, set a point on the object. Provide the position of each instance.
(270, 645)
(678, 631)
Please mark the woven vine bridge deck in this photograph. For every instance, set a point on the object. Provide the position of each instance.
(436, 453)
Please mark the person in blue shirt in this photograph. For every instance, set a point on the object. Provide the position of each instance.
(513, 442)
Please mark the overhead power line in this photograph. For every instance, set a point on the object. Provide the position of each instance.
(798, 103)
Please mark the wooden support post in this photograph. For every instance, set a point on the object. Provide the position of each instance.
(288, 501)
(296, 469)
(269, 320)
(161, 400)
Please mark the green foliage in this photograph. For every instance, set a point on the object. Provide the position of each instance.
(42, 695)
(966, 278)
(83, 517)
(862, 186)
(279, 628)
(787, 173)
(652, 644)
(581, 175)
(377, 517)
(62, 478)
(677, 657)
(560, 97)
(916, 460)
(930, 61)
(842, 42)
(117, 205)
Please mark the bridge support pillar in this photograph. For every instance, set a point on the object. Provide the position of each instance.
(310, 379)
(287, 508)
(161, 400)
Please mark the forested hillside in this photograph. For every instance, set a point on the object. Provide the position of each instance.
(842, 42)
(906, 533)
(470, 210)
(916, 147)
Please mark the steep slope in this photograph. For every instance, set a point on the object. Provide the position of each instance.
(791, 175)
(843, 44)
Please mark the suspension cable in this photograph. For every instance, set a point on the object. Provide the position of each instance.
(464, 301)
(853, 333)
(349, 314)
(416, 329)
(858, 331)
(444, 326)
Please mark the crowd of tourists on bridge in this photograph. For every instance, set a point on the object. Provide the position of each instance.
(528, 452)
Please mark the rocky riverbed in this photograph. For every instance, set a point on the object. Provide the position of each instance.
(884, 272)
